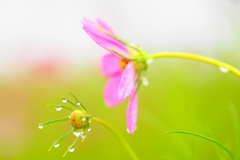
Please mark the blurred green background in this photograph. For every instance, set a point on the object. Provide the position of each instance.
(182, 95)
(44, 51)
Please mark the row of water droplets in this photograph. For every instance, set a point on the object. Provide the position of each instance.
(70, 150)
(60, 108)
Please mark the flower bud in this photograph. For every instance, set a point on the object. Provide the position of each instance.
(78, 119)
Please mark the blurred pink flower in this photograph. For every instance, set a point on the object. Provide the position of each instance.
(118, 67)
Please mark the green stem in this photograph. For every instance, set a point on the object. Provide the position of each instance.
(118, 135)
(72, 145)
(207, 138)
(70, 102)
(77, 100)
(64, 136)
(195, 57)
(236, 128)
(53, 121)
(58, 105)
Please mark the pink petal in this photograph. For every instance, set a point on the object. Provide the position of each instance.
(104, 26)
(132, 114)
(103, 39)
(111, 91)
(110, 65)
(127, 82)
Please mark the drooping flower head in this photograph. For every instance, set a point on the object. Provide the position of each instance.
(124, 65)
(79, 119)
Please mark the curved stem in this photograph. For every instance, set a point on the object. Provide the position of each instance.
(194, 57)
(207, 138)
(118, 135)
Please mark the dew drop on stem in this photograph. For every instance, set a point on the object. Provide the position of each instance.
(56, 145)
(71, 150)
(145, 82)
(224, 70)
(58, 108)
(77, 134)
(64, 100)
(149, 61)
(83, 136)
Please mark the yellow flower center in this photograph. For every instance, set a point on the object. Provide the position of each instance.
(123, 63)
(78, 120)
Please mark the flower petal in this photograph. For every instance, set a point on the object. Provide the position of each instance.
(127, 82)
(111, 91)
(110, 65)
(132, 114)
(104, 26)
(102, 38)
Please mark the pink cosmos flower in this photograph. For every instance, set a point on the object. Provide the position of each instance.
(121, 67)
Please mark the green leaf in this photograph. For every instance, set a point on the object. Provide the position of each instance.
(207, 138)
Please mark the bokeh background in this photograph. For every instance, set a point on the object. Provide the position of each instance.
(44, 50)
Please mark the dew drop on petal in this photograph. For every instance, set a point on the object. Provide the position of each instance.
(89, 129)
(120, 96)
(56, 145)
(77, 134)
(224, 70)
(149, 61)
(40, 127)
(58, 108)
(71, 150)
(84, 119)
(64, 100)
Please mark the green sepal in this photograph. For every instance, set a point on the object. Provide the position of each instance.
(55, 120)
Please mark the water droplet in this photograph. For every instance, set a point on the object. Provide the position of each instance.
(89, 129)
(149, 61)
(40, 127)
(83, 137)
(128, 130)
(224, 70)
(64, 100)
(56, 145)
(145, 82)
(84, 119)
(78, 103)
(71, 150)
(77, 134)
(58, 108)
(69, 116)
